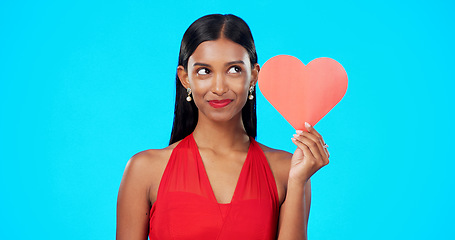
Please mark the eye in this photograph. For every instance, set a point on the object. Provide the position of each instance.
(234, 69)
(203, 71)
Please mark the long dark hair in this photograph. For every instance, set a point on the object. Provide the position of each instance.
(208, 28)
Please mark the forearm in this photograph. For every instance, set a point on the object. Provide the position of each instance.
(295, 211)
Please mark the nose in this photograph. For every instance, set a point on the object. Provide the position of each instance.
(219, 85)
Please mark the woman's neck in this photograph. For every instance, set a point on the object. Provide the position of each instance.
(221, 136)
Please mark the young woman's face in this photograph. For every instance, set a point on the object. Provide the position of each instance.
(219, 74)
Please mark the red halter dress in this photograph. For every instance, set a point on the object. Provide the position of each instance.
(186, 207)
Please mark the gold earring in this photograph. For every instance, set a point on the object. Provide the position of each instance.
(251, 97)
(188, 90)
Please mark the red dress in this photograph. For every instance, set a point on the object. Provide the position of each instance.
(186, 207)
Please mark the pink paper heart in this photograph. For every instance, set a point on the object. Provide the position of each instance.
(302, 93)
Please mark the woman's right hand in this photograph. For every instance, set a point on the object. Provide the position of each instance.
(310, 156)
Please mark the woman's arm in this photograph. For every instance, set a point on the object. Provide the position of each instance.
(308, 158)
(294, 212)
(133, 204)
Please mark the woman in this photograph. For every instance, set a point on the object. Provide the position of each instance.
(214, 181)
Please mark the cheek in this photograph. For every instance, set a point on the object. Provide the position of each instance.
(199, 87)
(238, 85)
(242, 87)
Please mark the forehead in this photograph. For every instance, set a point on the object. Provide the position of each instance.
(220, 50)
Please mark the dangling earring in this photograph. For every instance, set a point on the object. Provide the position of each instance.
(188, 90)
(251, 97)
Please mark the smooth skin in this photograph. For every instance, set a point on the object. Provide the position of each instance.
(220, 70)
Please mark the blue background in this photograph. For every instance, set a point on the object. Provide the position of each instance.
(84, 85)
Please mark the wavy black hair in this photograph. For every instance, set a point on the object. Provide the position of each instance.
(208, 28)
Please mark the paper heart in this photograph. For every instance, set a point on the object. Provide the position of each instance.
(302, 93)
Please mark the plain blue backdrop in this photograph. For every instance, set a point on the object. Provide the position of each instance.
(84, 85)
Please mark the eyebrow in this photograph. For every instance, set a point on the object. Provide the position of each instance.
(235, 62)
(229, 63)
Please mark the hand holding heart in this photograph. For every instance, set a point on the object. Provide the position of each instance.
(310, 155)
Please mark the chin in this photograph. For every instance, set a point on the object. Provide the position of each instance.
(220, 117)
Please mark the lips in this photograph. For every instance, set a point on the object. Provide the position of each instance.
(220, 103)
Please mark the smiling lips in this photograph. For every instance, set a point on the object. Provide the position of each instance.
(220, 103)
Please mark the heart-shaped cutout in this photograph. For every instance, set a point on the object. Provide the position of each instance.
(302, 93)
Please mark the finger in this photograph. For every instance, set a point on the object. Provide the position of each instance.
(322, 151)
(311, 144)
(326, 154)
(313, 138)
(303, 147)
(311, 130)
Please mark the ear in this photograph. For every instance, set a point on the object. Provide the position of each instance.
(183, 76)
(255, 74)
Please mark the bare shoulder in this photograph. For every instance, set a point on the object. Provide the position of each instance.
(280, 163)
(137, 191)
(149, 160)
(279, 160)
(276, 154)
(145, 169)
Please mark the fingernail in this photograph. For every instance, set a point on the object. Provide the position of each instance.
(295, 136)
(307, 125)
(299, 131)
